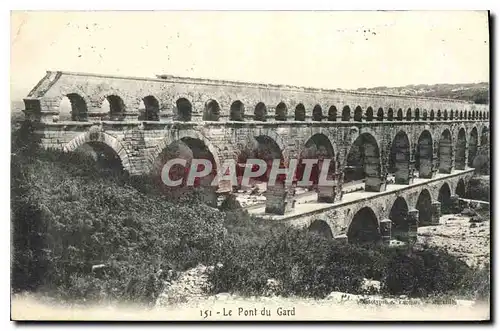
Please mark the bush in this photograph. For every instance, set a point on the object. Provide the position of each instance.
(69, 215)
(311, 266)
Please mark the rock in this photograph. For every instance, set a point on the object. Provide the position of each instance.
(260, 187)
(222, 296)
(370, 286)
(341, 238)
(396, 243)
(468, 212)
(342, 297)
(476, 219)
(272, 287)
(98, 266)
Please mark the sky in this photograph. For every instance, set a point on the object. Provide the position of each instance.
(326, 49)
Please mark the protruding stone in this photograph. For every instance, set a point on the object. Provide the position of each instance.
(385, 230)
(327, 194)
(412, 225)
(279, 198)
(435, 212)
(342, 238)
(454, 204)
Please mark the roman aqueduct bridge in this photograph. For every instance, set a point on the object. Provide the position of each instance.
(428, 145)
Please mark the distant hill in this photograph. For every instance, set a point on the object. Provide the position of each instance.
(475, 92)
(16, 110)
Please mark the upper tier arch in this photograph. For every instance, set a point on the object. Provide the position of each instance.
(42, 101)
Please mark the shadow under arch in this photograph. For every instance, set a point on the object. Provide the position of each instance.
(321, 228)
(364, 227)
(104, 148)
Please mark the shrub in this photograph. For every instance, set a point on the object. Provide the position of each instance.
(311, 266)
(479, 189)
(69, 215)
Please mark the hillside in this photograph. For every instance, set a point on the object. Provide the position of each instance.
(475, 92)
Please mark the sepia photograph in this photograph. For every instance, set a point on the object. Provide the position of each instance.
(250, 166)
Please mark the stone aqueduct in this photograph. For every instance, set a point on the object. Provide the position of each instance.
(414, 138)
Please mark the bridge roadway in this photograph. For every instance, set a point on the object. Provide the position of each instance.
(339, 216)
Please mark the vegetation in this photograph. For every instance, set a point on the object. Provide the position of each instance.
(69, 217)
(84, 233)
(305, 264)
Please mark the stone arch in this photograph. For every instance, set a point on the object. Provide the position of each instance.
(480, 115)
(399, 217)
(317, 113)
(189, 148)
(95, 136)
(445, 152)
(460, 189)
(321, 228)
(424, 207)
(417, 114)
(364, 227)
(424, 154)
(281, 112)
(346, 114)
(364, 162)
(451, 114)
(151, 110)
(332, 114)
(468, 115)
(380, 114)
(461, 147)
(399, 116)
(358, 114)
(300, 112)
(473, 139)
(260, 112)
(408, 114)
(445, 115)
(431, 116)
(390, 114)
(438, 115)
(400, 158)
(318, 147)
(114, 106)
(77, 107)
(184, 110)
(174, 136)
(444, 196)
(212, 111)
(276, 138)
(263, 146)
(424, 114)
(369, 114)
(461, 115)
(237, 111)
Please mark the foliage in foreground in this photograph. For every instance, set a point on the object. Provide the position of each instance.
(69, 216)
(305, 264)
